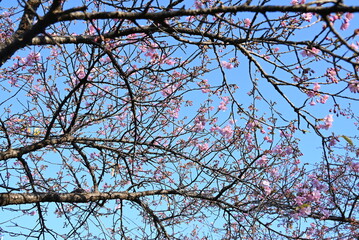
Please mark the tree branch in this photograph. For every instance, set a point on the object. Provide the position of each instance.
(24, 198)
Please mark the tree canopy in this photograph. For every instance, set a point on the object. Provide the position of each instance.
(179, 119)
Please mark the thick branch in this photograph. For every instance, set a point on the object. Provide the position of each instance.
(183, 12)
(23, 37)
(19, 41)
(25, 198)
(13, 153)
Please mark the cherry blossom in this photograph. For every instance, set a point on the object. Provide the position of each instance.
(354, 86)
(266, 186)
(328, 122)
(227, 65)
(312, 52)
(115, 113)
(247, 22)
(316, 87)
(307, 16)
(223, 103)
(227, 131)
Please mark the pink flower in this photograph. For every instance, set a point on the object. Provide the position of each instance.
(307, 16)
(355, 166)
(205, 87)
(354, 86)
(251, 125)
(316, 87)
(310, 52)
(349, 16)
(198, 4)
(174, 113)
(265, 183)
(266, 186)
(202, 147)
(268, 139)
(81, 72)
(227, 65)
(32, 58)
(92, 30)
(315, 196)
(222, 105)
(263, 160)
(312, 103)
(310, 94)
(200, 123)
(247, 22)
(328, 122)
(288, 150)
(206, 90)
(315, 50)
(354, 46)
(13, 81)
(170, 62)
(329, 119)
(323, 99)
(331, 74)
(345, 25)
(190, 18)
(295, 2)
(285, 134)
(226, 132)
(299, 200)
(305, 211)
(333, 141)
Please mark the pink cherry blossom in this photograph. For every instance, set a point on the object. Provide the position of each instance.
(92, 30)
(247, 22)
(262, 161)
(266, 186)
(328, 122)
(331, 73)
(305, 211)
(33, 57)
(349, 16)
(316, 87)
(268, 139)
(315, 196)
(333, 140)
(205, 86)
(312, 103)
(355, 166)
(198, 4)
(227, 65)
(200, 123)
(223, 103)
(295, 2)
(310, 52)
(323, 99)
(232, 121)
(190, 18)
(354, 86)
(202, 147)
(227, 131)
(307, 16)
(345, 25)
(81, 72)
